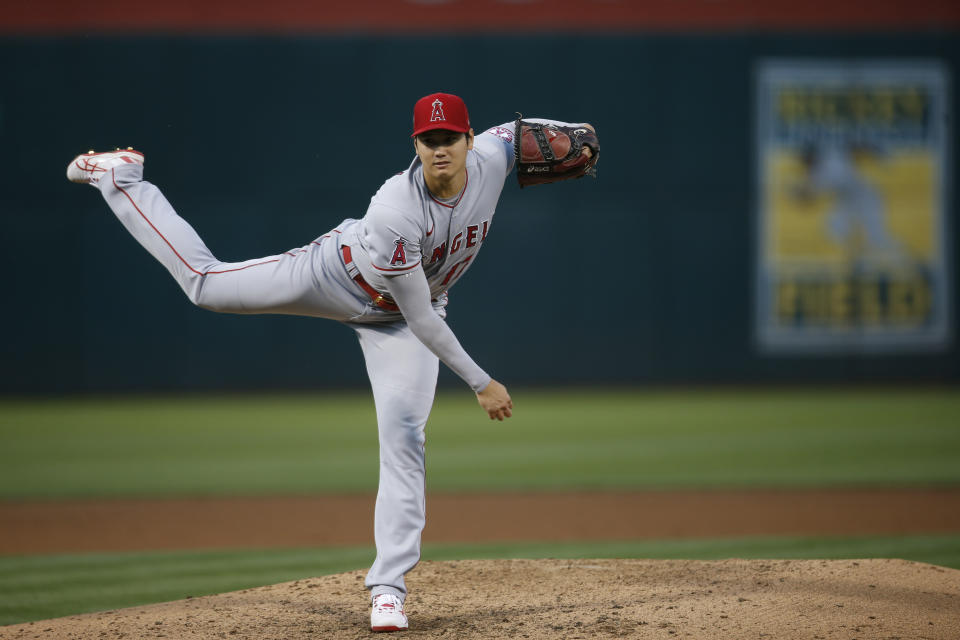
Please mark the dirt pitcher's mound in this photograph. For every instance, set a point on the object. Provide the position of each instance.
(810, 599)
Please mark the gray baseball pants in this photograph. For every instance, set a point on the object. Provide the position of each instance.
(310, 281)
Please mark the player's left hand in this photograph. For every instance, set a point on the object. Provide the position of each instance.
(496, 401)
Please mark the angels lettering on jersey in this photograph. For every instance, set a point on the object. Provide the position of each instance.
(471, 236)
(435, 257)
(406, 227)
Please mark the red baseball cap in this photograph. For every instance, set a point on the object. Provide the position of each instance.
(440, 111)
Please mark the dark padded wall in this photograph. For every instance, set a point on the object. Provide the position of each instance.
(263, 144)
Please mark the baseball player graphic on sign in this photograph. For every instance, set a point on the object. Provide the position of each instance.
(858, 217)
(385, 275)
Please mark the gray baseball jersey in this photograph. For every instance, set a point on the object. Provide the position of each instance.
(347, 275)
(406, 225)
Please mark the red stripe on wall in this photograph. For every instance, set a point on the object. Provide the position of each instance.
(425, 16)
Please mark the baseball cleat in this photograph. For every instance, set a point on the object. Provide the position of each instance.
(87, 167)
(387, 613)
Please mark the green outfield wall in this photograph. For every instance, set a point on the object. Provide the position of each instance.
(646, 275)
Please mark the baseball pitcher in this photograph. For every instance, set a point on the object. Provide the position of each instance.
(385, 275)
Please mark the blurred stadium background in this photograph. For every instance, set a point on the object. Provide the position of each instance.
(721, 304)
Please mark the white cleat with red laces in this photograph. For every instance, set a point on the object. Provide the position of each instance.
(87, 168)
(387, 613)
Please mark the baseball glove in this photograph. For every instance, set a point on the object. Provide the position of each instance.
(549, 153)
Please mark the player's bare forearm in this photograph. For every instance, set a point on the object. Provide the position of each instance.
(496, 401)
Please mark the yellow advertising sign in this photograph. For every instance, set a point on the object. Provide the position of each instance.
(852, 251)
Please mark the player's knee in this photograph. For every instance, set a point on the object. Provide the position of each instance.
(210, 298)
(194, 290)
(217, 306)
(402, 441)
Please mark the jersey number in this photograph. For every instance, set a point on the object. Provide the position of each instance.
(457, 269)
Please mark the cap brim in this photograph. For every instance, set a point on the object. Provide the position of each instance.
(439, 125)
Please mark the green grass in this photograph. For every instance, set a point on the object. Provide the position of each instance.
(268, 444)
(41, 587)
(296, 444)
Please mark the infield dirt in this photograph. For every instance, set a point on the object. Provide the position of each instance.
(306, 521)
(575, 599)
(531, 599)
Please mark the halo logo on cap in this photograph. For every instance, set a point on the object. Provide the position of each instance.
(440, 111)
(437, 111)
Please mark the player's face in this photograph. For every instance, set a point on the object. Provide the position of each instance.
(444, 153)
